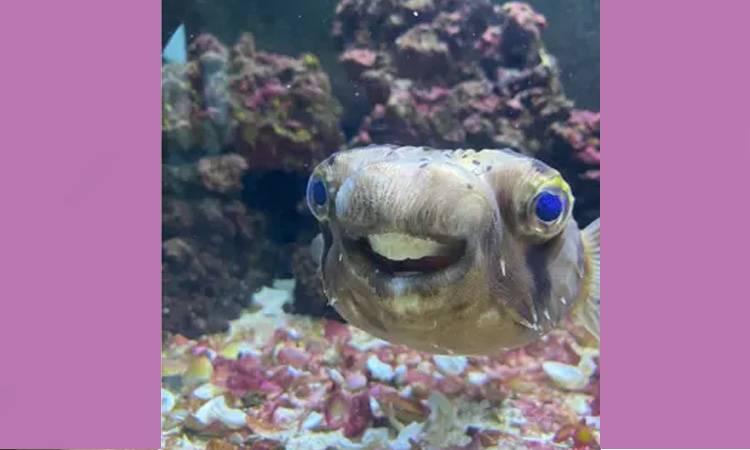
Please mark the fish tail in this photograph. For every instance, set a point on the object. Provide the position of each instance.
(589, 311)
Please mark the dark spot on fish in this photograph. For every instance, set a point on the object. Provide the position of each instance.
(475, 162)
(536, 261)
(459, 307)
(331, 160)
(465, 155)
(470, 186)
(511, 152)
(327, 243)
(379, 282)
(423, 165)
(488, 168)
(540, 166)
(503, 200)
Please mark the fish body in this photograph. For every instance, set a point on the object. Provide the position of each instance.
(452, 251)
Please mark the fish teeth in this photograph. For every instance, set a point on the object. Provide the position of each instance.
(399, 246)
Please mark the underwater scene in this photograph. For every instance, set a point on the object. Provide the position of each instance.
(380, 224)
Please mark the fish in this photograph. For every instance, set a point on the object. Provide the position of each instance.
(457, 251)
(175, 51)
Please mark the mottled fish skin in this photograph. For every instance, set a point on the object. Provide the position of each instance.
(516, 279)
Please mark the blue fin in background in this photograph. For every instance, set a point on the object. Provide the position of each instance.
(176, 49)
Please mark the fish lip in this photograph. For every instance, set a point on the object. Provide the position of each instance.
(395, 284)
(352, 233)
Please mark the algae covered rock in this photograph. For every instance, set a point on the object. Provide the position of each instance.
(276, 111)
(212, 247)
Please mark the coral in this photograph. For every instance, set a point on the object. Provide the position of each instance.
(176, 105)
(223, 173)
(276, 111)
(212, 245)
(448, 73)
(358, 60)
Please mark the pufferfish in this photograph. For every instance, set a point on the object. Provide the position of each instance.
(452, 251)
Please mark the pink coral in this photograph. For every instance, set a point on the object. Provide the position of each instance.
(294, 357)
(358, 59)
(359, 415)
(336, 410)
(522, 14)
(267, 92)
(243, 376)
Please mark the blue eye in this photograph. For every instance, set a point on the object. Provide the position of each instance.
(549, 206)
(317, 195)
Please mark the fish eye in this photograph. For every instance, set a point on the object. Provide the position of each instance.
(548, 206)
(317, 196)
(547, 210)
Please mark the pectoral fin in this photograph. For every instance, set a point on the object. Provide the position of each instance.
(316, 249)
(588, 312)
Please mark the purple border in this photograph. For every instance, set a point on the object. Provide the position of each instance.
(675, 96)
(80, 243)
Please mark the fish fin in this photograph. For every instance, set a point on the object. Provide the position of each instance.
(316, 249)
(589, 311)
(176, 49)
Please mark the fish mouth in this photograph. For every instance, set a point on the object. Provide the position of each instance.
(403, 255)
(404, 276)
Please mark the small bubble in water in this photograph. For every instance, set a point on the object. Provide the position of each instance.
(416, 14)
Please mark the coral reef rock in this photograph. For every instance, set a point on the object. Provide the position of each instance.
(213, 246)
(449, 73)
(276, 110)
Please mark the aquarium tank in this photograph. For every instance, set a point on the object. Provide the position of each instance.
(293, 129)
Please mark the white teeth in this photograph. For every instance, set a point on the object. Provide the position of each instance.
(399, 247)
